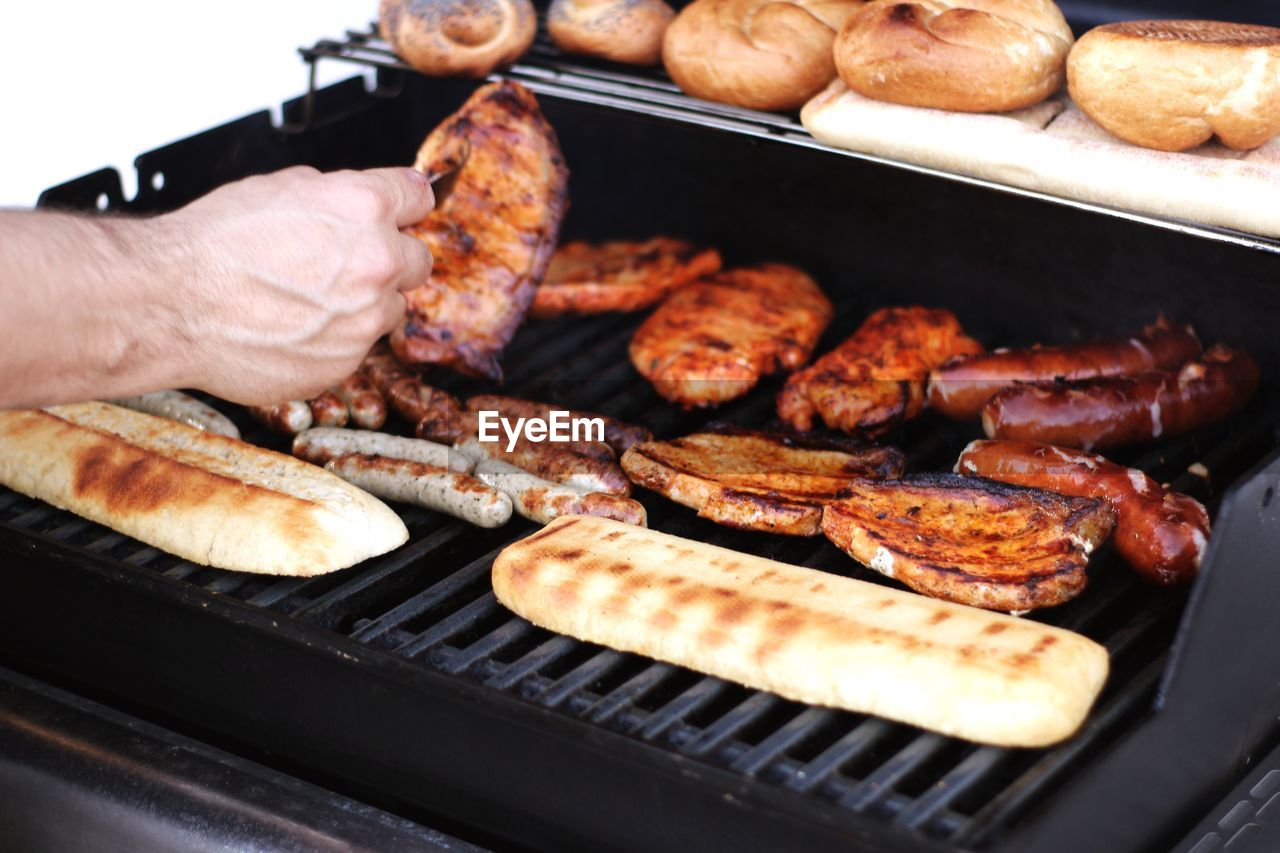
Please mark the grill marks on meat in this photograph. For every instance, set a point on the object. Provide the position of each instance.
(756, 480)
(622, 275)
(971, 541)
(410, 397)
(875, 380)
(492, 239)
(712, 341)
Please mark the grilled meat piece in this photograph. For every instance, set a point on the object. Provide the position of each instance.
(757, 480)
(492, 238)
(410, 397)
(711, 341)
(618, 435)
(971, 541)
(876, 379)
(622, 275)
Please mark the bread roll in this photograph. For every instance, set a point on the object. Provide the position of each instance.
(458, 37)
(974, 56)
(627, 31)
(762, 54)
(1172, 85)
(207, 498)
(806, 635)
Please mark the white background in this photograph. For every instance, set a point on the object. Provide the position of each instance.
(90, 84)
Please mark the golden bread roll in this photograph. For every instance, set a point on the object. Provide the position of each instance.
(627, 31)
(1172, 85)
(458, 37)
(974, 56)
(210, 499)
(806, 635)
(762, 54)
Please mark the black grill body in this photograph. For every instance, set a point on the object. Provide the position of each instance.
(403, 683)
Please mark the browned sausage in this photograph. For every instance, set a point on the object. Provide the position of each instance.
(426, 486)
(288, 418)
(410, 397)
(367, 406)
(1103, 413)
(960, 387)
(542, 500)
(1161, 534)
(619, 435)
(328, 410)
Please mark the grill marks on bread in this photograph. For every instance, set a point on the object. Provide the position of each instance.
(804, 634)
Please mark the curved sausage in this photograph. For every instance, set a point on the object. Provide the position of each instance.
(182, 408)
(328, 410)
(426, 486)
(543, 501)
(367, 406)
(619, 435)
(959, 388)
(319, 446)
(410, 397)
(289, 418)
(1161, 534)
(1105, 413)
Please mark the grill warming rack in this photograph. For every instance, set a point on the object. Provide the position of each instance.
(545, 69)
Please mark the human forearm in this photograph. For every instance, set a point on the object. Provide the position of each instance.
(86, 308)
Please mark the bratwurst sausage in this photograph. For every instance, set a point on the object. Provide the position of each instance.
(319, 446)
(367, 406)
(543, 501)
(288, 418)
(1113, 412)
(619, 435)
(328, 410)
(960, 387)
(183, 408)
(554, 464)
(410, 397)
(1160, 533)
(425, 486)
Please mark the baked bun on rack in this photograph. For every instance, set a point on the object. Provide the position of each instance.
(468, 38)
(627, 31)
(976, 56)
(762, 54)
(1172, 85)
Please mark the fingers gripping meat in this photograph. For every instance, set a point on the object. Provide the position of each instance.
(875, 380)
(494, 235)
(1103, 413)
(1161, 534)
(410, 397)
(711, 341)
(960, 387)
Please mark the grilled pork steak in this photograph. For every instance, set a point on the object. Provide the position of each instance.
(494, 235)
(711, 341)
(756, 480)
(971, 541)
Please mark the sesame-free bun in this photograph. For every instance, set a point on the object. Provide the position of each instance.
(762, 54)
(1172, 85)
(627, 31)
(964, 55)
(466, 38)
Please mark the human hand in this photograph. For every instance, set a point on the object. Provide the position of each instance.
(286, 280)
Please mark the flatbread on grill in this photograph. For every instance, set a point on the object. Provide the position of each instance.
(207, 498)
(806, 635)
(755, 479)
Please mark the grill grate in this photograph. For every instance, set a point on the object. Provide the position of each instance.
(430, 602)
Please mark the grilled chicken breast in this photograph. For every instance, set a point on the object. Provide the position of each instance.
(622, 275)
(876, 379)
(711, 341)
(493, 236)
(971, 541)
(757, 480)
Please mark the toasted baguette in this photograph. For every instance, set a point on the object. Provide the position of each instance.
(204, 497)
(804, 634)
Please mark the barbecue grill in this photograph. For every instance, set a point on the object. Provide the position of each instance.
(404, 684)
